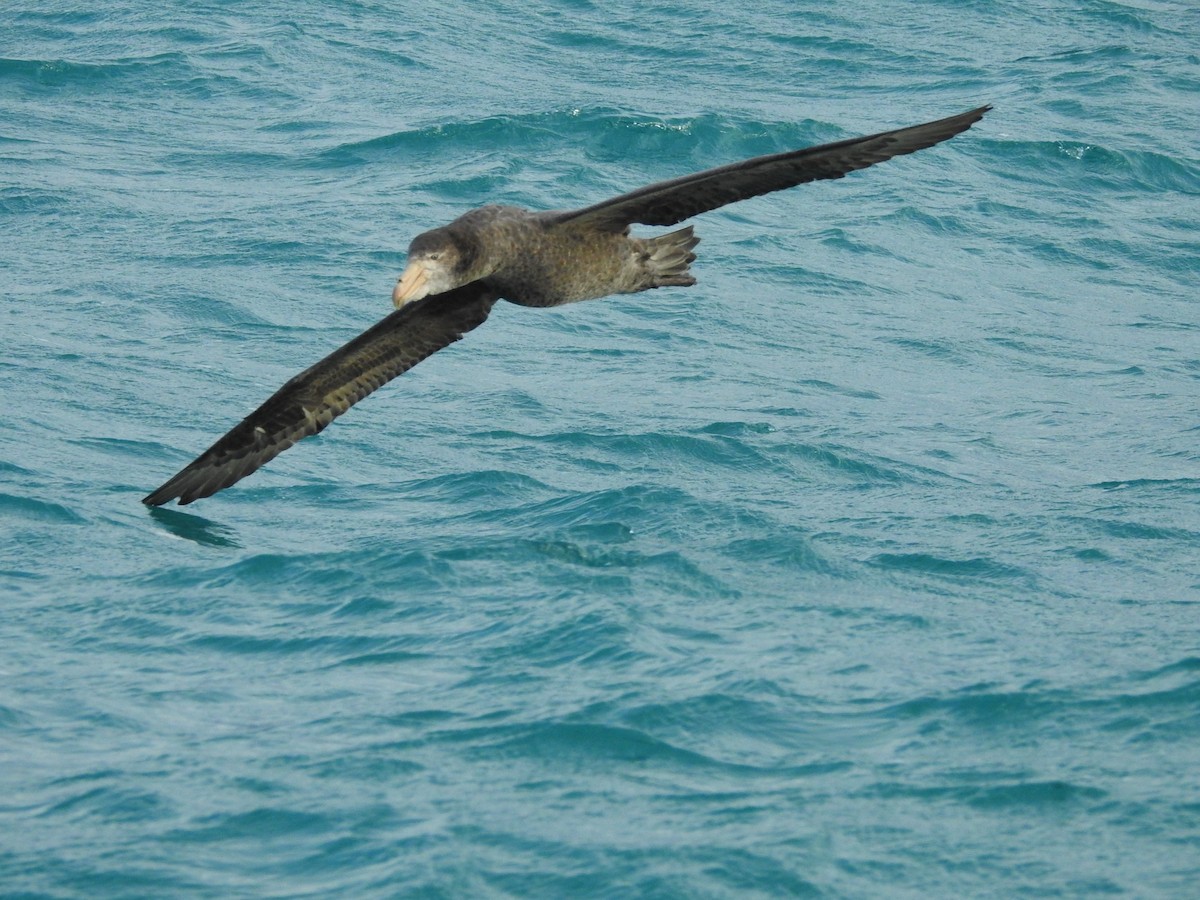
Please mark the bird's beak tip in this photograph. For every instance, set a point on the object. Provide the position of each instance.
(411, 285)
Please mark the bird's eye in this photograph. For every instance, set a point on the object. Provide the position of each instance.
(435, 256)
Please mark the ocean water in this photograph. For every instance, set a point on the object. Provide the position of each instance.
(869, 566)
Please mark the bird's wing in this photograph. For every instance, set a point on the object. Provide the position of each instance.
(321, 393)
(669, 202)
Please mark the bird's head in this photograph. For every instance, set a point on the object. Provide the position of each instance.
(438, 260)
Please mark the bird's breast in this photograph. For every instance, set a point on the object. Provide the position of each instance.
(562, 265)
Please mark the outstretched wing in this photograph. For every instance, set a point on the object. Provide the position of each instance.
(669, 202)
(321, 393)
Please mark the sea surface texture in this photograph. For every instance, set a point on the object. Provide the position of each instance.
(869, 566)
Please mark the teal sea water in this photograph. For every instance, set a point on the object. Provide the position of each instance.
(869, 566)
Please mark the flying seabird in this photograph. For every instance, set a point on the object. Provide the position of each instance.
(456, 273)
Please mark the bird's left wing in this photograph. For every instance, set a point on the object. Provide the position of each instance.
(321, 393)
(669, 202)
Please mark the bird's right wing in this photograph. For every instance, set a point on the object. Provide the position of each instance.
(670, 202)
(321, 393)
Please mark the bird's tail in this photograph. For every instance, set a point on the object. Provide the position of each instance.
(668, 257)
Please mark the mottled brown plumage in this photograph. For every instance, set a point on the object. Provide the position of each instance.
(322, 392)
(457, 272)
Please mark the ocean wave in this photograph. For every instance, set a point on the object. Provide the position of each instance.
(1087, 166)
(604, 132)
(62, 73)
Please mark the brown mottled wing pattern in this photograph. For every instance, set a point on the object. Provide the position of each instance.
(321, 393)
(669, 202)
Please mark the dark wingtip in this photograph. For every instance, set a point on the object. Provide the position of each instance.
(190, 484)
(978, 113)
(968, 118)
(163, 495)
(178, 487)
